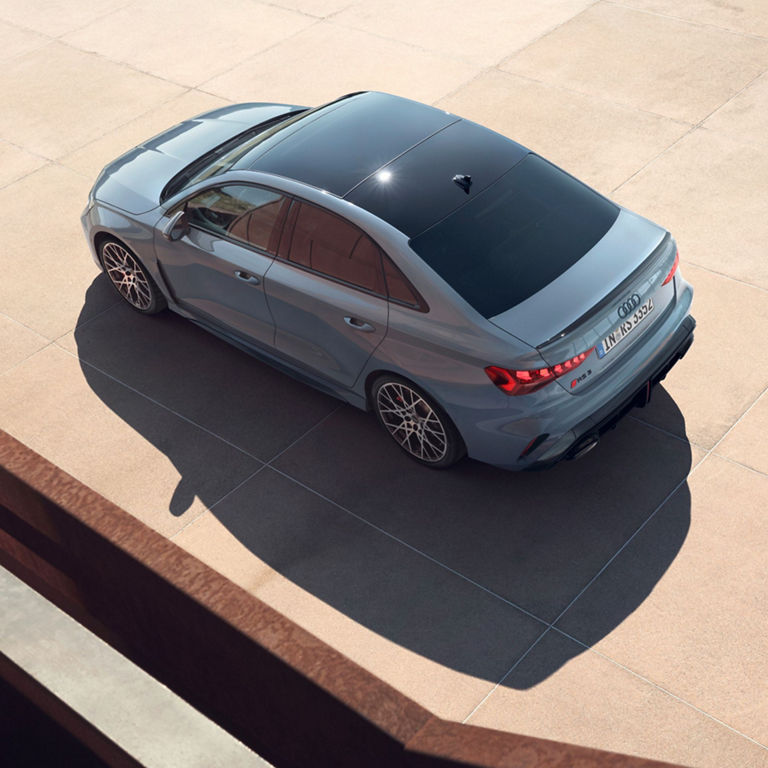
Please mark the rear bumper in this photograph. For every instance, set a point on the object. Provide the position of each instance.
(634, 395)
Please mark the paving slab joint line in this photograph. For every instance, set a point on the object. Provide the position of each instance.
(713, 449)
(549, 625)
(27, 150)
(92, 21)
(28, 357)
(605, 566)
(695, 127)
(733, 426)
(159, 404)
(24, 28)
(24, 325)
(410, 546)
(119, 63)
(186, 89)
(655, 511)
(196, 517)
(130, 120)
(264, 465)
(83, 323)
(200, 86)
(299, 10)
(723, 274)
(496, 686)
(596, 96)
(50, 342)
(508, 56)
(661, 688)
(742, 465)
(405, 43)
(29, 173)
(547, 32)
(701, 24)
(648, 424)
(581, 592)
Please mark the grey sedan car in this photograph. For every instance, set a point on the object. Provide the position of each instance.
(477, 298)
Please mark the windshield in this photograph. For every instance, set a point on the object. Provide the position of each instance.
(516, 236)
(223, 157)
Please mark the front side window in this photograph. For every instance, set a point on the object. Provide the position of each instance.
(332, 246)
(250, 214)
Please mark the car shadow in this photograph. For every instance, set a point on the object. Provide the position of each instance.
(466, 568)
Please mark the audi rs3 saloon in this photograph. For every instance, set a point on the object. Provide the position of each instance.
(477, 298)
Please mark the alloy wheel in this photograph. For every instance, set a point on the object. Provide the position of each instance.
(412, 422)
(127, 275)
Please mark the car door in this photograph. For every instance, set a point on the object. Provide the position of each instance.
(327, 294)
(216, 269)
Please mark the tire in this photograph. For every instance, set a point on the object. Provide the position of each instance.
(418, 425)
(130, 279)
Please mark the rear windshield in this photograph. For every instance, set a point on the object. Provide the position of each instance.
(516, 236)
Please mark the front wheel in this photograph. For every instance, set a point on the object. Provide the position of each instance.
(129, 278)
(416, 423)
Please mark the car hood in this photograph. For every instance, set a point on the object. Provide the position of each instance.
(135, 180)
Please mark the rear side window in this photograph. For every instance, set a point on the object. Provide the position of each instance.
(250, 214)
(398, 287)
(516, 236)
(332, 246)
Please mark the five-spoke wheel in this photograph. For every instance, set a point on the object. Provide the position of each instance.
(134, 284)
(417, 424)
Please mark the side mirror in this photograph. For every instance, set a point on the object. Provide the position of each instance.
(176, 226)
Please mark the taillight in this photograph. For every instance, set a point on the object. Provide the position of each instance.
(523, 382)
(673, 270)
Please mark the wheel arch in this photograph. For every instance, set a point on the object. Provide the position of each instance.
(375, 374)
(100, 237)
(451, 427)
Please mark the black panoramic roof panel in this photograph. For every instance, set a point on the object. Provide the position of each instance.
(416, 190)
(342, 147)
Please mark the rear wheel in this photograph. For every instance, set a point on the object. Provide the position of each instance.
(416, 423)
(130, 279)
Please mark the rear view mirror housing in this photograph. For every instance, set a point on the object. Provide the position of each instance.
(177, 226)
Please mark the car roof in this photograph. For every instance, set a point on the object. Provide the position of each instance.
(392, 156)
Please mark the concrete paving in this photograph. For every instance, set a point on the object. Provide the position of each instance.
(620, 601)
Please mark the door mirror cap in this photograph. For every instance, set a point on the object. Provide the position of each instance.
(176, 227)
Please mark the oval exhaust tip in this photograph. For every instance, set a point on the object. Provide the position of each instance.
(587, 445)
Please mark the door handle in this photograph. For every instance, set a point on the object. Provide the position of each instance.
(246, 277)
(359, 325)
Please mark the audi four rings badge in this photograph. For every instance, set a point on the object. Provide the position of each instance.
(628, 305)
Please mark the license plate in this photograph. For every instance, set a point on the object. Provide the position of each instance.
(629, 325)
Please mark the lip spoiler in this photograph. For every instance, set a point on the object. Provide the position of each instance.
(652, 262)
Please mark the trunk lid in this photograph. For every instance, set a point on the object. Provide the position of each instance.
(580, 308)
